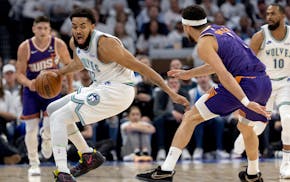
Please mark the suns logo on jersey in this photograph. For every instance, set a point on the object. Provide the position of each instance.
(43, 65)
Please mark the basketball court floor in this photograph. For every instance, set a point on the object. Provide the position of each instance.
(209, 171)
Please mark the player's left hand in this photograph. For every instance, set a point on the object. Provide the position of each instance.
(176, 98)
(259, 109)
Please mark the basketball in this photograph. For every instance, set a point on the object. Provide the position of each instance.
(48, 84)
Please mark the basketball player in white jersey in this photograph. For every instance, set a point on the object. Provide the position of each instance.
(110, 66)
(271, 45)
(41, 52)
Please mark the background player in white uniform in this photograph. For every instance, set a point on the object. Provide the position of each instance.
(110, 66)
(271, 45)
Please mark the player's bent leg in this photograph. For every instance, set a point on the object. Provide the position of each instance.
(31, 142)
(239, 146)
(181, 138)
(285, 121)
(251, 141)
(89, 158)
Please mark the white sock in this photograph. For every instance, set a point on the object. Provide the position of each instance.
(77, 139)
(60, 158)
(171, 159)
(253, 167)
(286, 156)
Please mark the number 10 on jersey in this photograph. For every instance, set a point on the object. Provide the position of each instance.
(278, 63)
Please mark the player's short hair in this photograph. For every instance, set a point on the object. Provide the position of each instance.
(194, 12)
(84, 13)
(41, 19)
(280, 7)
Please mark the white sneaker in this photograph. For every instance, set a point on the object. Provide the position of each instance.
(46, 148)
(197, 154)
(129, 157)
(185, 155)
(161, 155)
(285, 170)
(220, 154)
(34, 170)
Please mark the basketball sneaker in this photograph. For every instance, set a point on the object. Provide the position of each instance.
(156, 175)
(161, 155)
(245, 177)
(46, 148)
(285, 170)
(34, 170)
(87, 162)
(63, 177)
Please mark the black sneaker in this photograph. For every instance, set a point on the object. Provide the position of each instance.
(63, 177)
(156, 175)
(87, 162)
(245, 177)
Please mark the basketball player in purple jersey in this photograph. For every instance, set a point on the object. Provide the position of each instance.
(41, 52)
(244, 87)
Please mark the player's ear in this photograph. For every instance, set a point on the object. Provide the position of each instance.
(93, 26)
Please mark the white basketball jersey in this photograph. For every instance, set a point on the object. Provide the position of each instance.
(99, 71)
(275, 54)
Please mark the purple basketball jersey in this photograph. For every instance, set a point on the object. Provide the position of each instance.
(39, 60)
(239, 63)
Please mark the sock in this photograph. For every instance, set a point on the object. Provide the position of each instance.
(253, 167)
(171, 159)
(77, 139)
(286, 155)
(60, 158)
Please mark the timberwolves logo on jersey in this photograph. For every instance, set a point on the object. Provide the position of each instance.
(278, 52)
(93, 99)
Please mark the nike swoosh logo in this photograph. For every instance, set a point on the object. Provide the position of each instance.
(90, 160)
(33, 52)
(160, 176)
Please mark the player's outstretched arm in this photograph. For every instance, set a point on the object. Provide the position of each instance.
(23, 55)
(110, 49)
(194, 72)
(75, 66)
(257, 41)
(207, 47)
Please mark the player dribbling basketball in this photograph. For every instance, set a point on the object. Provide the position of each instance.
(41, 52)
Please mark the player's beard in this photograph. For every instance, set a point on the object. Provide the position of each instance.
(274, 26)
(84, 45)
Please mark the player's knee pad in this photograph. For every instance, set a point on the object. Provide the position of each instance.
(285, 121)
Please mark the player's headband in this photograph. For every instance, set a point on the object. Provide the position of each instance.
(194, 22)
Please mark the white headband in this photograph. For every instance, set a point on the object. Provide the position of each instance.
(194, 22)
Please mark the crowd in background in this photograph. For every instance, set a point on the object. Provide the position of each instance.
(145, 130)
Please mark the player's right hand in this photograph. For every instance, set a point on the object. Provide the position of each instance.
(178, 99)
(32, 85)
(259, 109)
(180, 74)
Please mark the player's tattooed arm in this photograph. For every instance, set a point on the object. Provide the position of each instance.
(74, 66)
(23, 55)
(111, 49)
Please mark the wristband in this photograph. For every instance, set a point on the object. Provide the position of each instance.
(245, 101)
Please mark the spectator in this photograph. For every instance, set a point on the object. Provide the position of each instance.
(145, 60)
(204, 84)
(151, 39)
(10, 82)
(165, 4)
(245, 31)
(210, 8)
(166, 113)
(148, 13)
(175, 64)
(124, 16)
(136, 137)
(8, 153)
(287, 13)
(153, 16)
(172, 16)
(175, 37)
(232, 10)
(127, 40)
